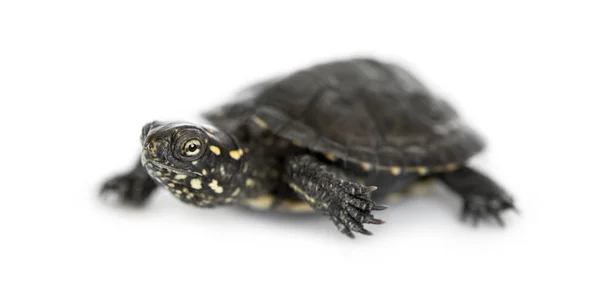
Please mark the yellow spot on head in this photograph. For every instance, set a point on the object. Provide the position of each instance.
(214, 185)
(204, 172)
(215, 150)
(250, 182)
(236, 154)
(196, 184)
(261, 123)
(395, 170)
(180, 176)
(366, 166)
(194, 162)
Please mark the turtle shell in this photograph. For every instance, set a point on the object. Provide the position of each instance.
(362, 111)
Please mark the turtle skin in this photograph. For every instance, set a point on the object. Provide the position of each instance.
(330, 138)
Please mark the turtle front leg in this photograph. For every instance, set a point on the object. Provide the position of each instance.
(482, 197)
(326, 189)
(131, 188)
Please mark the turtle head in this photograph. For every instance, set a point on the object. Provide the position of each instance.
(196, 163)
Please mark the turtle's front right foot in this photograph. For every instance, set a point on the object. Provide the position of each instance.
(351, 208)
(347, 203)
(133, 188)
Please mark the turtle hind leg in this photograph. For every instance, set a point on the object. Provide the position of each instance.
(482, 197)
(131, 188)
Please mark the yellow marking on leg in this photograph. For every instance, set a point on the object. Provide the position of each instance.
(214, 185)
(263, 202)
(250, 182)
(215, 150)
(171, 185)
(236, 154)
(195, 184)
(261, 123)
(305, 195)
(235, 192)
(422, 170)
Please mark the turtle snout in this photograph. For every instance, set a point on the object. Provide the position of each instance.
(146, 129)
(155, 142)
(155, 149)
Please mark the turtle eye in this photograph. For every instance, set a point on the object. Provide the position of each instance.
(191, 147)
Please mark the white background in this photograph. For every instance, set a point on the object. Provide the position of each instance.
(78, 79)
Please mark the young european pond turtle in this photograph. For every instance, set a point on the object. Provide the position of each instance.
(330, 138)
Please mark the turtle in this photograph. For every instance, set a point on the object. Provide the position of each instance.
(333, 138)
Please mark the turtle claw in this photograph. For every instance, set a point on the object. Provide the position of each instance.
(477, 208)
(483, 198)
(354, 210)
(379, 207)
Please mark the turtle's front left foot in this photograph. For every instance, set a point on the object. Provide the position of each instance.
(133, 188)
(483, 198)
